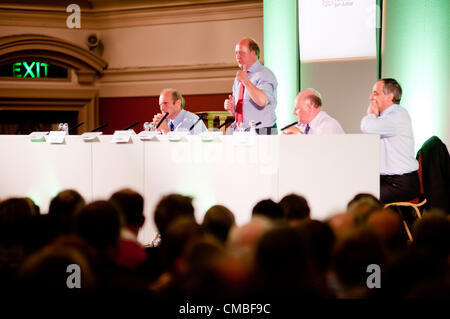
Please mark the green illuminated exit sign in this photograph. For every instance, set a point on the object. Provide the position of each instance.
(33, 70)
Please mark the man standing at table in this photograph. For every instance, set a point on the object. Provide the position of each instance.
(254, 91)
(311, 118)
(171, 101)
(399, 180)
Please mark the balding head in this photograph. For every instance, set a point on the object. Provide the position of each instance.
(307, 105)
(246, 52)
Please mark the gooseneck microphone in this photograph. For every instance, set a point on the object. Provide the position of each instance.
(288, 126)
(99, 128)
(76, 126)
(198, 120)
(256, 124)
(224, 123)
(162, 120)
(132, 125)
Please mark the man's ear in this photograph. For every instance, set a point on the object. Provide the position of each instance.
(390, 97)
(178, 104)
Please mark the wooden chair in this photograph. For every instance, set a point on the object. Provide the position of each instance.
(416, 203)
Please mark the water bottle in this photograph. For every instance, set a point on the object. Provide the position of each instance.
(147, 126)
(252, 125)
(64, 127)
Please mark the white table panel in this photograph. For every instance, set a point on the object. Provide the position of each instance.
(217, 172)
(40, 170)
(116, 166)
(328, 170)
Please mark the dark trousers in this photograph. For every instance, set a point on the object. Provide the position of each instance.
(399, 188)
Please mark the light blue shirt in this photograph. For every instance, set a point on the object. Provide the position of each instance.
(322, 124)
(397, 156)
(265, 80)
(185, 119)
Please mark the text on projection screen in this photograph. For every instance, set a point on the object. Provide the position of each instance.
(337, 29)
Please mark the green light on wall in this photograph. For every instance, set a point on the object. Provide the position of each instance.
(416, 53)
(281, 53)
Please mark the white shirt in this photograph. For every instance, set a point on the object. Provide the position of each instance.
(322, 124)
(397, 156)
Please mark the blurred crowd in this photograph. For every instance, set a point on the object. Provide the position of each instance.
(280, 253)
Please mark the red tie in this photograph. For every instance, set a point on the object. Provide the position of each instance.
(238, 113)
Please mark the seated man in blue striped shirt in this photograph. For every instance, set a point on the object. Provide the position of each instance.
(171, 101)
(399, 180)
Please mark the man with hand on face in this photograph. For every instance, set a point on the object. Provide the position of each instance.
(178, 119)
(254, 91)
(399, 180)
(311, 118)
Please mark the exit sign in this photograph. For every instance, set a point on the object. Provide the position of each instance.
(33, 70)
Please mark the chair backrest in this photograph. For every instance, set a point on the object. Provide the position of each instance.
(419, 172)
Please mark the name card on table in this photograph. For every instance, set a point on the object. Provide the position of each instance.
(56, 137)
(90, 136)
(122, 136)
(38, 136)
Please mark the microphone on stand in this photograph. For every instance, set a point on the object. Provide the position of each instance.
(132, 125)
(162, 120)
(99, 128)
(288, 126)
(224, 123)
(76, 126)
(198, 120)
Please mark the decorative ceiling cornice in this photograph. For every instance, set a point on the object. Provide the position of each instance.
(131, 15)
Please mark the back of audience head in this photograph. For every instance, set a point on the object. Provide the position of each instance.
(171, 207)
(362, 205)
(269, 209)
(63, 207)
(432, 233)
(179, 234)
(131, 204)
(352, 255)
(46, 270)
(295, 208)
(388, 226)
(242, 241)
(281, 268)
(218, 221)
(319, 241)
(16, 215)
(342, 224)
(99, 224)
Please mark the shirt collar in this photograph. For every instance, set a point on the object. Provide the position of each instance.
(316, 119)
(177, 120)
(254, 66)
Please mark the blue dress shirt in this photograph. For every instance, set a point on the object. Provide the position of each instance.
(185, 119)
(265, 80)
(397, 156)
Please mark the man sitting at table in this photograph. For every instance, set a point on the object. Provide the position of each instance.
(311, 118)
(178, 119)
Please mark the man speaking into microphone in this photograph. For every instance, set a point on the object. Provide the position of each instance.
(254, 91)
(174, 117)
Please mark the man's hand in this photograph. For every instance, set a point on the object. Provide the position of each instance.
(242, 75)
(292, 130)
(164, 127)
(229, 104)
(373, 109)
